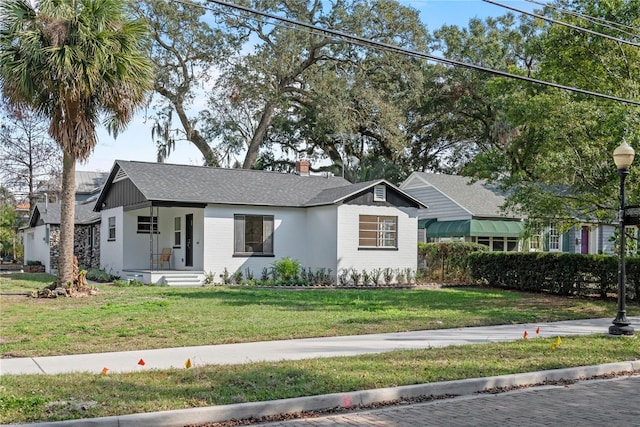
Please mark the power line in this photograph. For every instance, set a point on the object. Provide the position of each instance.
(555, 21)
(391, 48)
(593, 19)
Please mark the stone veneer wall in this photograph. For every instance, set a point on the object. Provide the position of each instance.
(88, 257)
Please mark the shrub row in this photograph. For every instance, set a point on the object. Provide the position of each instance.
(447, 261)
(289, 272)
(558, 273)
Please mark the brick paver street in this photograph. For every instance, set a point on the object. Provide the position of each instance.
(586, 403)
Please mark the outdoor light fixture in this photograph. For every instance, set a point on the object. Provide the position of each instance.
(623, 157)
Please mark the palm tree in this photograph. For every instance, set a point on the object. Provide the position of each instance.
(76, 62)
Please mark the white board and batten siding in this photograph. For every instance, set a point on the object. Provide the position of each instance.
(36, 246)
(111, 251)
(350, 256)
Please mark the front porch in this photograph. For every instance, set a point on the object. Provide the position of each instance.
(165, 277)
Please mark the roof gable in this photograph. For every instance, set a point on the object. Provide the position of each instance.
(49, 213)
(479, 198)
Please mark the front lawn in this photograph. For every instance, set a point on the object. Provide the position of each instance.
(132, 318)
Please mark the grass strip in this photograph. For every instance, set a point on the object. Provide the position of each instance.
(31, 398)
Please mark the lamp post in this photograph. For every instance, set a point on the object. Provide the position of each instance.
(623, 157)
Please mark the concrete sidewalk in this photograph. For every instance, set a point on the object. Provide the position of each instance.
(226, 354)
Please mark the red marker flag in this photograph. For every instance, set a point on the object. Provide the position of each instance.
(538, 330)
(141, 362)
(104, 371)
(525, 335)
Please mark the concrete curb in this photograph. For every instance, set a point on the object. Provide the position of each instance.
(222, 413)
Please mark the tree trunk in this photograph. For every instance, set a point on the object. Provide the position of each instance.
(67, 217)
(210, 158)
(258, 136)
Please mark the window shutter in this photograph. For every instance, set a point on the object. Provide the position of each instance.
(267, 234)
(239, 233)
(565, 242)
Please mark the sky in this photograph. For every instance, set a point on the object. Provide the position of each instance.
(135, 142)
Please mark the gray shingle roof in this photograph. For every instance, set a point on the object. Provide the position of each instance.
(50, 213)
(89, 181)
(480, 198)
(197, 184)
(162, 182)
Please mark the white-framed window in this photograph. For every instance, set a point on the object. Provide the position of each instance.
(148, 224)
(499, 244)
(378, 231)
(535, 243)
(380, 193)
(177, 231)
(111, 222)
(554, 239)
(253, 235)
(93, 237)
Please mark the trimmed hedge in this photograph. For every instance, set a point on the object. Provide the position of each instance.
(558, 273)
(447, 260)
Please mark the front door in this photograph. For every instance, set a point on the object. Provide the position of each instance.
(188, 256)
(584, 240)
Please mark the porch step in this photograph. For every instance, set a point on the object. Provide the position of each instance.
(185, 279)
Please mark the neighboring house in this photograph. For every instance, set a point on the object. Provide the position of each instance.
(89, 184)
(211, 220)
(42, 236)
(464, 210)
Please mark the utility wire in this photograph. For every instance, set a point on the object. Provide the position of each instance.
(575, 27)
(391, 48)
(593, 19)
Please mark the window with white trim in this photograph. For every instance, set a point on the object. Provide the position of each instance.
(112, 228)
(93, 237)
(177, 231)
(378, 231)
(253, 234)
(535, 243)
(554, 239)
(148, 224)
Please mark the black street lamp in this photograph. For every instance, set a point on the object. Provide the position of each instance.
(623, 157)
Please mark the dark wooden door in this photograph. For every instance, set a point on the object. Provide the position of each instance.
(188, 256)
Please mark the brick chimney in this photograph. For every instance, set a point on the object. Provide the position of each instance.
(302, 167)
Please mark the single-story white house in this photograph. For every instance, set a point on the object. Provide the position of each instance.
(207, 220)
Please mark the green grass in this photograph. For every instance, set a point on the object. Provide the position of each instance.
(147, 317)
(24, 282)
(30, 398)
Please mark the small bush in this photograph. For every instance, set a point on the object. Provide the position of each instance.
(127, 283)
(209, 278)
(286, 269)
(98, 275)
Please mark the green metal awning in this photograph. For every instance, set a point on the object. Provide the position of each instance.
(475, 227)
